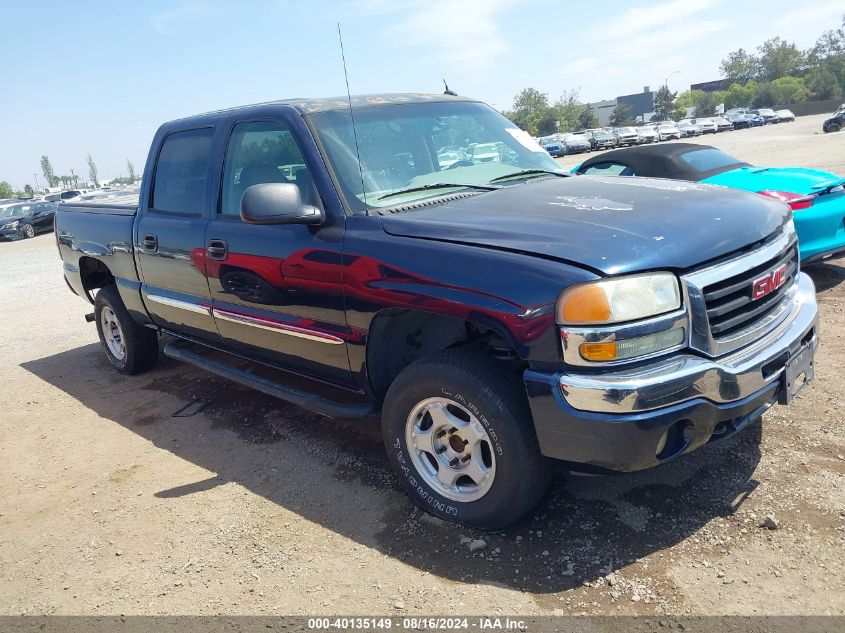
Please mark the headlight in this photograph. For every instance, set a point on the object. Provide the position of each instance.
(12, 225)
(619, 300)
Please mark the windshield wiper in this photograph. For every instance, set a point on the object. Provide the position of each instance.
(437, 185)
(529, 172)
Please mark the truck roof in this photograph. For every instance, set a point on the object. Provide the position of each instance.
(325, 104)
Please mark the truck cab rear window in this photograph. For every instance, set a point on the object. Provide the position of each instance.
(181, 170)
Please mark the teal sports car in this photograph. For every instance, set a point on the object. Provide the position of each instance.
(817, 198)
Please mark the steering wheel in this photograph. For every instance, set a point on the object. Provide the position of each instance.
(461, 163)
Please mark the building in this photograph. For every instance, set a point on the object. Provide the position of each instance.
(640, 104)
(603, 110)
(711, 86)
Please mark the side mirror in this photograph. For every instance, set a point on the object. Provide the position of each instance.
(277, 203)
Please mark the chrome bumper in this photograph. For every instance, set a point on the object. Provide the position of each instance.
(685, 377)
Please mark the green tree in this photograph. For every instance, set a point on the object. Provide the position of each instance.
(830, 43)
(47, 170)
(621, 115)
(706, 104)
(779, 58)
(664, 103)
(824, 85)
(789, 90)
(6, 190)
(764, 96)
(689, 98)
(530, 106)
(740, 95)
(587, 119)
(92, 171)
(29, 191)
(740, 66)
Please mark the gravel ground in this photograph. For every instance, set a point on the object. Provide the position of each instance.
(110, 505)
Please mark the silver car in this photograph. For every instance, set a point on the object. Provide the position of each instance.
(626, 136)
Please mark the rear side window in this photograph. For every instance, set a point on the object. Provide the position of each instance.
(181, 170)
(609, 169)
(708, 159)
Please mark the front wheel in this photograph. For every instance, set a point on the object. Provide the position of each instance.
(459, 435)
(833, 127)
(27, 231)
(130, 347)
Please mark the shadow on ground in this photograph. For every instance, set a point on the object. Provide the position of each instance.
(586, 527)
(826, 275)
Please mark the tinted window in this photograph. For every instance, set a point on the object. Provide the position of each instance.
(181, 171)
(609, 169)
(707, 159)
(261, 152)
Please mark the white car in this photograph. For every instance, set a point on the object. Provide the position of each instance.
(486, 153)
(667, 130)
(785, 115)
(707, 125)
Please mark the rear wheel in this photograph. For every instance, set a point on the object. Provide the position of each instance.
(130, 348)
(460, 437)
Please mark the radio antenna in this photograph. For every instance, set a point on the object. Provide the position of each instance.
(351, 115)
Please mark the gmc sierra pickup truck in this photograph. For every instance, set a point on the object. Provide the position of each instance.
(497, 312)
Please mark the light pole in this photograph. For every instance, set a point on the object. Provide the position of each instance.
(666, 81)
(37, 186)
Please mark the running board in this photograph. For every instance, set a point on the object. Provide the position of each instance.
(309, 401)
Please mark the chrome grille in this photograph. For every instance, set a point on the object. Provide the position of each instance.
(723, 315)
(729, 303)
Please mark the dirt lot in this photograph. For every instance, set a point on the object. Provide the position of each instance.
(110, 505)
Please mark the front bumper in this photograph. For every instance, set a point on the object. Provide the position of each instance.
(10, 234)
(614, 420)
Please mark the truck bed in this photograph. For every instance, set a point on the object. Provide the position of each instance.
(91, 231)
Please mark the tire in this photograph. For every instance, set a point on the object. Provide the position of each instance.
(466, 391)
(27, 231)
(833, 127)
(130, 347)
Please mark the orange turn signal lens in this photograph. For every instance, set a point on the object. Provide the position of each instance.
(586, 304)
(598, 351)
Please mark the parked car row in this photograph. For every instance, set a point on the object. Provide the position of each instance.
(22, 218)
(610, 138)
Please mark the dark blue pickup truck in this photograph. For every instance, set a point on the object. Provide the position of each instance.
(422, 257)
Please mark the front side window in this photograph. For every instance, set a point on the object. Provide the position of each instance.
(181, 170)
(411, 146)
(261, 152)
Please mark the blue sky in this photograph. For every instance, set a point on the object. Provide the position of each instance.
(99, 77)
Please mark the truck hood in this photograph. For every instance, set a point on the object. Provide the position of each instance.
(612, 225)
(791, 179)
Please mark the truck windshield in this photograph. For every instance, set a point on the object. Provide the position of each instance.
(409, 146)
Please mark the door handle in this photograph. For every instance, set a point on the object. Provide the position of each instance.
(150, 243)
(217, 249)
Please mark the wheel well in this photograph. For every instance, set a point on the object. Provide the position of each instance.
(398, 337)
(94, 274)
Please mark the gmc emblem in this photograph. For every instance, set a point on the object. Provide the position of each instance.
(768, 283)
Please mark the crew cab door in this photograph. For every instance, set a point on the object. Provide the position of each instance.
(277, 288)
(170, 233)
